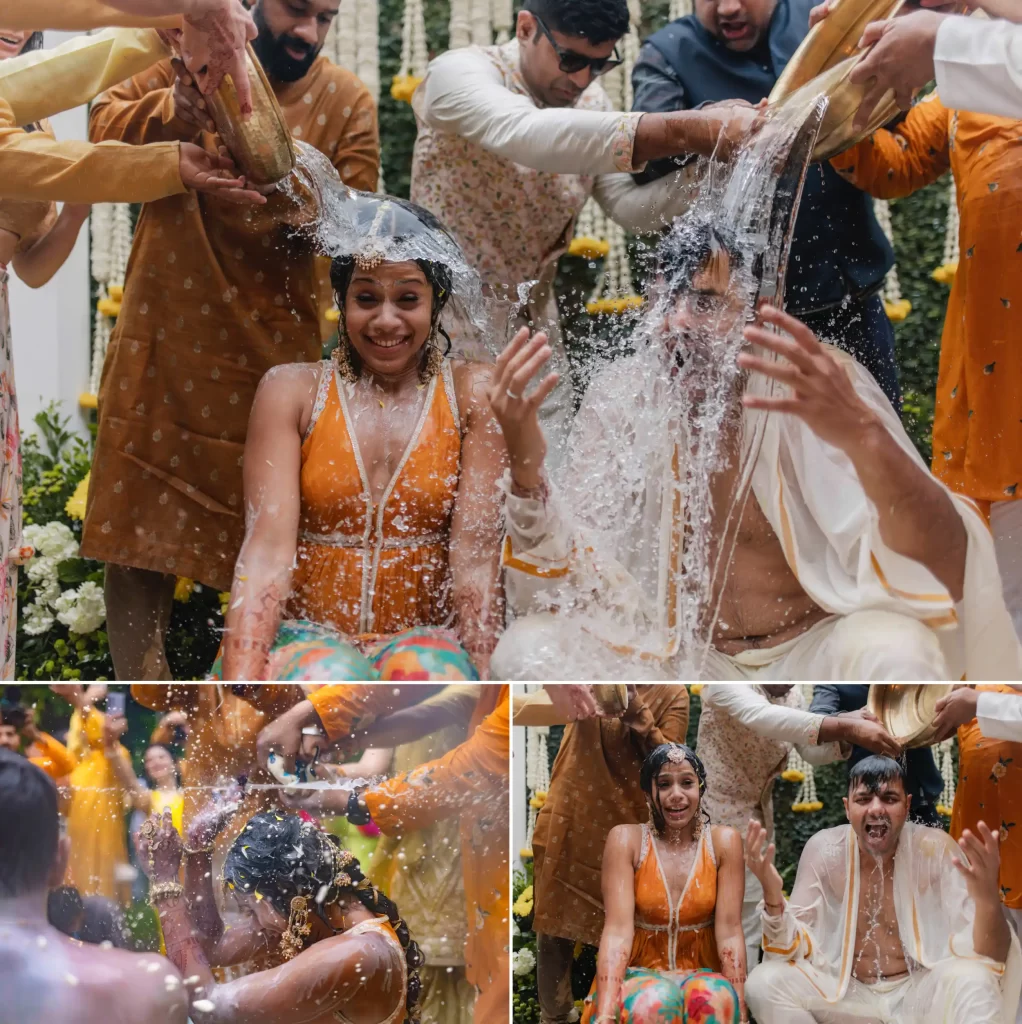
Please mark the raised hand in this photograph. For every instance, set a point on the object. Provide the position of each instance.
(982, 869)
(213, 43)
(216, 175)
(821, 394)
(864, 729)
(574, 700)
(759, 859)
(189, 106)
(212, 819)
(957, 708)
(517, 414)
(160, 845)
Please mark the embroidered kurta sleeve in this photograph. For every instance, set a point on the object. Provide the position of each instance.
(893, 163)
(1000, 716)
(52, 757)
(789, 725)
(641, 209)
(34, 166)
(76, 16)
(475, 771)
(357, 156)
(978, 64)
(463, 94)
(42, 83)
(140, 111)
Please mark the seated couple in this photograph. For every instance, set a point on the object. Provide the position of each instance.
(888, 921)
(343, 954)
(848, 559)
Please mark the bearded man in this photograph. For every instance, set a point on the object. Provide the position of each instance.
(847, 560)
(213, 299)
(887, 920)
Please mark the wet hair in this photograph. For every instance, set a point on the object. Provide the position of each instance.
(64, 909)
(12, 714)
(279, 856)
(31, 830)
(596, 21)
(103, 921)
(34, 42)
(693, 246)
(655, 760)
(876, 772)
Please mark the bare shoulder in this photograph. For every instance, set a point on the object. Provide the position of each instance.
(625, 837)
(289, 387)
(151, 983)
(727, 843)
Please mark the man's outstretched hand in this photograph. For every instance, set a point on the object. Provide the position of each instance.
(213, 43)
(957, 708)
(216, 175)
(821, 394)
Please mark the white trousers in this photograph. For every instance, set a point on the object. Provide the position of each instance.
(1006, 526)
(956, 992)
(869, 646)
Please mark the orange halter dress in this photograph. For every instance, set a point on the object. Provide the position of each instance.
(369, 569)
(672, 935)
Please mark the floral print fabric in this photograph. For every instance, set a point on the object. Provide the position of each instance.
(10, 492)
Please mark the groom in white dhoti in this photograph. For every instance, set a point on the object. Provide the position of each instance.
(849, 560)
(888, 921)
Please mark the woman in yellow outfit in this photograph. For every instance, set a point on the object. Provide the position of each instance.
(977, 427)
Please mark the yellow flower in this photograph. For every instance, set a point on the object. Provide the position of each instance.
(88, 401)
(538, 799)
(897, 311)
(75, 506)
(116, 292)
(588, 247)
(109, 307)
(523, 905)
(403, 86)
(525, 853)
(696, 689)
(225, 600)
(792, 775)
(944, 810)
(598, 306)
(183, 589)
(333, 315)
(945, 273)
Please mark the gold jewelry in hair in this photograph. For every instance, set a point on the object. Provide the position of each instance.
(369, 260)
(164, 891)
(292, 942)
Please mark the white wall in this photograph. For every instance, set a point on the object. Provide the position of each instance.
(51, 325)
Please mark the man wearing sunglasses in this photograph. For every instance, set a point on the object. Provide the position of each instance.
(514, 139)
(735, 50)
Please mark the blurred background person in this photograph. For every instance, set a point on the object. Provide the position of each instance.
(65, 910)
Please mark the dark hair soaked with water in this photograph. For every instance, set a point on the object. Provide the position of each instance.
(31, 830)
(596, 21)
(280, 856)
(655, 760)
(876, 773)
(694, 246)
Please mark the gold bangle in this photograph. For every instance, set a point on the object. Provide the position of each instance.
(193, 853)
(164, 891)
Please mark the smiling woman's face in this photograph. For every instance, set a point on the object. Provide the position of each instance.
(12, 42)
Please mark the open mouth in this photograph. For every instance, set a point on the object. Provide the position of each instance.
(388, 342)
(7, 41)
(734, 32)
(296, 52)
(876, 831)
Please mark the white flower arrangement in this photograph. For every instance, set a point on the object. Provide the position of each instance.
(523, 962)
(82, 609)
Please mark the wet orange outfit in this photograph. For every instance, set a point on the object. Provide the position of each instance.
(990, 790)
(370, 570)
(977, 428)
(672, 937)
(470, 780)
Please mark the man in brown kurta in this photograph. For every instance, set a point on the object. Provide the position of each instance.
(594, 785)
(214, 297)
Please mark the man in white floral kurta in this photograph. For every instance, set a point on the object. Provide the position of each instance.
(514, 139)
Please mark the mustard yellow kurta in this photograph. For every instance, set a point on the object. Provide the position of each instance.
(215, 295)
(75, 16)
(977, 427)
(95, 822)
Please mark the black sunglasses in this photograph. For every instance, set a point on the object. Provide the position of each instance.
(571, 63)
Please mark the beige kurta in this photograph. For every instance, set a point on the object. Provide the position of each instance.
(215, 295)
(595, 786)
(75, 16)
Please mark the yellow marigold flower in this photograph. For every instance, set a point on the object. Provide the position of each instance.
(696, 688)
(88, 401)
(183, 589)
(403, 86)
(588, 247)
(944, 810)
(116, 292)
(598, 306)
(945, 273)
(792, 775)
(333, 315)
(897, 311)
(800, 808)
(538, 799)
(109, 307)
(525, 853)
(75, 506)
(523, 906)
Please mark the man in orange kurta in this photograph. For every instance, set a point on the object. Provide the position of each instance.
(471, 781)
(214, 297)
(977, 426)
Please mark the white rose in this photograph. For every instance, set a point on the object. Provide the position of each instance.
(37, 619)
(82, 610)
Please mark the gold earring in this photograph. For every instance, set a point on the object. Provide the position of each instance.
(292, 942)
(342, 353)
(434, 357)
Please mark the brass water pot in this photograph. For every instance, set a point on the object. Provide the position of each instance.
(262, 146)
(907, 710)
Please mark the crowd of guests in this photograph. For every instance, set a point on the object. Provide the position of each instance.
(253, 881)
(459, 501)
(663, 856)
